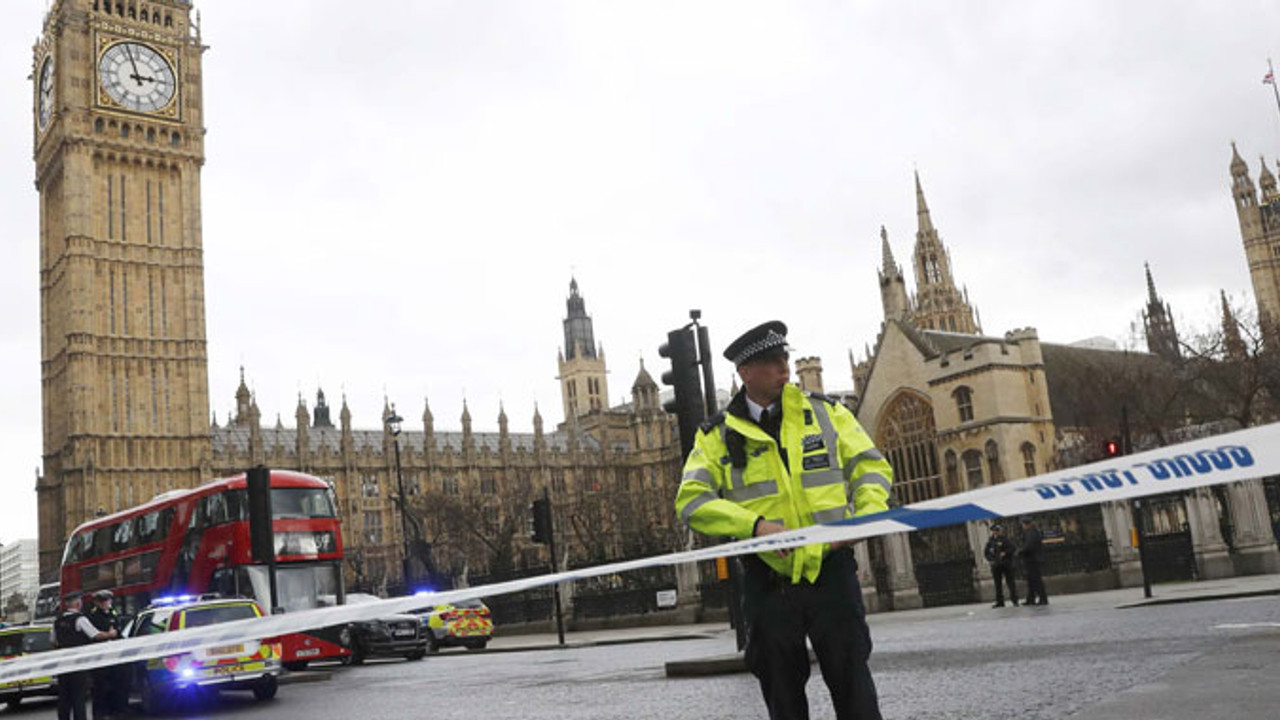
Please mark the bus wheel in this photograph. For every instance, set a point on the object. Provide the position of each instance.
(265, 689)
(416, 655)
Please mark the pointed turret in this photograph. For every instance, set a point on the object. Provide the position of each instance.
(344, 418)
(1238, 165)
(893, 286)
(539, 440)
(1267, 182)
(939, 304)
(467, 441)
(1232, 343)
(243, 398)
(504, 437)
(583, 374)
(1157, 318)
(924, 223)
(302, 445)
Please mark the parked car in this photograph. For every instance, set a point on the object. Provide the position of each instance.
(466, 623)
(19, 640)
(161, 682)
(391, 635)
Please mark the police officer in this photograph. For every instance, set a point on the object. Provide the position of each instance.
(1032, 553)
(109, 688)
(999, 553)
(72, 629)
(779, 459)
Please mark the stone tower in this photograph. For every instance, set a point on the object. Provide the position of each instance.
(893, 286)
(1260, 230)
(583, 380)
(1157, 319)
(119, 143)
(939, 305)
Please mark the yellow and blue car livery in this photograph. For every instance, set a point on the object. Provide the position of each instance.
(19, 640)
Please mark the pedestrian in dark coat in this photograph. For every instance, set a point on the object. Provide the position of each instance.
(999, 553)
(109, 686)
(1032, 553)
(72, 629)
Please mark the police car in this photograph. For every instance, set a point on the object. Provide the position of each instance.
(19, 640)
(466, 623)
(163, 682)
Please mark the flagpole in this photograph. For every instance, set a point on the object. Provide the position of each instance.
(1275, 88)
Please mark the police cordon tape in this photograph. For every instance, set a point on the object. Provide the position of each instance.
(1241, 455)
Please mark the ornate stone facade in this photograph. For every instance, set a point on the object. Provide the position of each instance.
(123, 360)
(1259, 216)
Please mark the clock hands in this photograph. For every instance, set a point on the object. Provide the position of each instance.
(134, 63)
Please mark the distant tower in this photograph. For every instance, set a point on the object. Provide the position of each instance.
(1260, 231)
(320, 416)
(583, 383)
(939, 305)
(1157, 318)
(893, 286)
(810, 371)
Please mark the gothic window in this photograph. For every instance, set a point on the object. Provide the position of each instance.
(951, 322)
(1029, 459)
(993, 462)
(488, 485)
(964, 403)
(449, 485)
(953, 474)
(907, 437)
(972, 468)
(373, 527)
(369, 485)
(145, 17)
(98, 125)
(174, 139)
(168, 21)
(557, 481)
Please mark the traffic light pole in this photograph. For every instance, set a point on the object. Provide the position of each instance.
(551, 548)
(1136, 506)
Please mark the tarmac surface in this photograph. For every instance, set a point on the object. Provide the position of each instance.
(1215, 653)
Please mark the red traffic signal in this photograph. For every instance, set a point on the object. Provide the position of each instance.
(1111, 448)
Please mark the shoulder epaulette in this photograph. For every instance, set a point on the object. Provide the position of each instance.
(710, 423)
(824, 398)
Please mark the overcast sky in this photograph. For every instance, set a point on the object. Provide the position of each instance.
(396, 194)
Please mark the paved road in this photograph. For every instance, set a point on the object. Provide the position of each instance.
(968, 662)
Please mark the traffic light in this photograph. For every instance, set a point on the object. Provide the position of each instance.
(687, 405)
(541, 509)
(262, 542)
(1111, 448)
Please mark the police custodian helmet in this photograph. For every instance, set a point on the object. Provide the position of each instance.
(757, 343)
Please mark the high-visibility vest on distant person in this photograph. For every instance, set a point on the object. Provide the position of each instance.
(832, 471)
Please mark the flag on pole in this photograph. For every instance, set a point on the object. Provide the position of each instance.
(1269, 78)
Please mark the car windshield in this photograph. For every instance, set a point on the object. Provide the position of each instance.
(214, 614)
(472, 603)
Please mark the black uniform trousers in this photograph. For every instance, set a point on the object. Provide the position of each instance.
(1035, 584)
(779, 615)
(71, 695)
(1004, 572)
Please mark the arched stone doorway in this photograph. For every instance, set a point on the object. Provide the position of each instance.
(942, 557)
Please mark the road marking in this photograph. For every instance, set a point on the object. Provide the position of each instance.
(1246, 626)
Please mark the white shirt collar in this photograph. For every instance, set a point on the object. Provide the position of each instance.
(755, 408)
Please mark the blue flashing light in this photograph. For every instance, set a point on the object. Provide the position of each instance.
(173, 599)
(188, 672)
(424, 591)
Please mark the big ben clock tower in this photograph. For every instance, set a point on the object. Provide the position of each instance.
(119, 143)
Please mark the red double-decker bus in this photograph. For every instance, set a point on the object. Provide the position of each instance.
(189, 542)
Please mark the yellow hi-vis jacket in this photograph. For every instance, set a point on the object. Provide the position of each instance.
(832, 471)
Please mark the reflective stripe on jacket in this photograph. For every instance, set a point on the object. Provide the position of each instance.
(832, 471)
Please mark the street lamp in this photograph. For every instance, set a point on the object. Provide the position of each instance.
(393, 425)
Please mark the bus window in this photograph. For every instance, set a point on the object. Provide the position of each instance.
(153, 526)
(123, 537)
(301, 503)
(102, 541)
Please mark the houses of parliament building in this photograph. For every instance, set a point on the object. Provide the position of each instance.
(118, 144)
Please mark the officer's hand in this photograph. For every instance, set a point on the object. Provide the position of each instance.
(112, 633)
(766, 527)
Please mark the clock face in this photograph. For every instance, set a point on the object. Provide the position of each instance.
(137, 77)
(44, 110)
